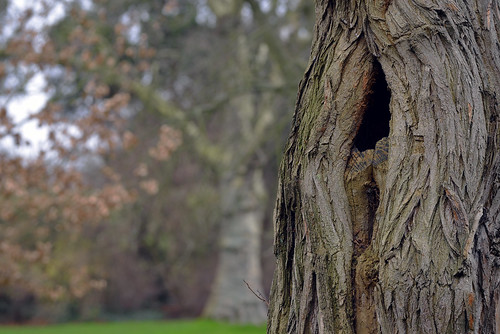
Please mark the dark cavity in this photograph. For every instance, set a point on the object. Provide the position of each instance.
(376, 118)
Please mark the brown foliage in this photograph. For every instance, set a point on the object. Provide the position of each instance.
(46, 199)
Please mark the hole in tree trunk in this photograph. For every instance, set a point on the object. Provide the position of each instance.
(375, 123)
(364, 179)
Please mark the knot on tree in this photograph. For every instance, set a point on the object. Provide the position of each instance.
(365, 177)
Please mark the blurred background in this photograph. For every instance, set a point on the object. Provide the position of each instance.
(140, 142)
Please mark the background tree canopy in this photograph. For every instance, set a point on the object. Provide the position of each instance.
(141, 181)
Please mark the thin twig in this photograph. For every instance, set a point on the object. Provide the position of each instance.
(258, 294)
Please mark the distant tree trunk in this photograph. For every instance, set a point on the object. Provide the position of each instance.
(239, 254)
(243, 196)
(398, 234)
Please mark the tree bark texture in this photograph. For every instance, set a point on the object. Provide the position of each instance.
(398, 234)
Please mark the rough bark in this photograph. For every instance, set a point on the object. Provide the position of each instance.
(411, 246)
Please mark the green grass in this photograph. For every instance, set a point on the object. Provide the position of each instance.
(139, 327)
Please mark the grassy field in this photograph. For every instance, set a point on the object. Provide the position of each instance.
(139, 327)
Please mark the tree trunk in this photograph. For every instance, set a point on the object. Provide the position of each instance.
(398, 234)
(239, 259)
(250, 119)
(243, 206)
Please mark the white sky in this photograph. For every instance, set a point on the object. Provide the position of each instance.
(21, 107)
